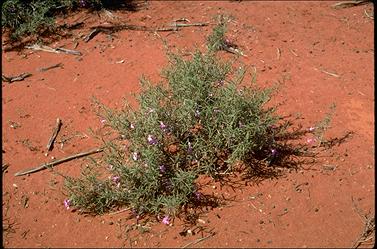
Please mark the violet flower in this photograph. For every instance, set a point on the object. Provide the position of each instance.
(115, 179)
(166, 220)
(274, 152)
(310, 140)
(198, 195)
(163, 126)
(67, 203)
(189, 149)
(152, 140)
(162, 169)
(82, 3)
(197, 113)
(135, 156)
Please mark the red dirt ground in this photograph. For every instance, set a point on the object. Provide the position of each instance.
(309, 208)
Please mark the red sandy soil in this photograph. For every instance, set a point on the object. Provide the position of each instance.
(307, 208)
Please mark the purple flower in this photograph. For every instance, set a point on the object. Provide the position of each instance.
(162, 168)
(67, 203)
(135, 156)
(82, 3)
(163, 126)
(166, 220)
(115, 179)
(274, 152)
(103, 121)
(189, 149)
(152, 140)
(198, 195)
(241, 125)
(310, 140)
(197, 113)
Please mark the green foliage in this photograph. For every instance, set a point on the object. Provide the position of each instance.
(34, 17)
(216, 41)
(198, 121)
(25, 17)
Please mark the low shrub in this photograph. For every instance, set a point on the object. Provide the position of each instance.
(198, 121)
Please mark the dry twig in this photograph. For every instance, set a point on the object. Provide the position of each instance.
(110, 29)
(4, 167)
(371, 16)
(369, 227)
(200, 24)
(52, 50)
(348, 4)
(44, 69)
(11, 79)
(92, 34)
(119, 211)
(198, 240)
(54, 134)
(329, 73)
(278, 53)
(53, 163)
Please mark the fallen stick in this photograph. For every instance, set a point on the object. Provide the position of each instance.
(11, 79)
(326, 72)
(4, 167)
(233, 50)
(53, 163)
(92, 34)
(348, 4)
(278, 53)
(52, 50)
(54, 134)
(44, 69)
(198, 240)
(329, 73)
(368, 15)
(182, 20)
(190, 24)
(369, 226)
(120, 211)
(110, 29)
(68, 51)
